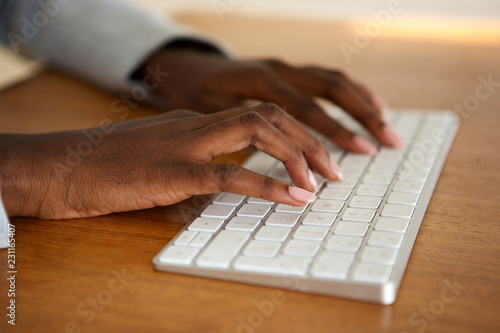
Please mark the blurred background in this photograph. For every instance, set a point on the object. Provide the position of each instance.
(458, 21)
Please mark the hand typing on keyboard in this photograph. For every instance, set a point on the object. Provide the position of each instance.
(210, 82)
(353, 241)
(162, 160)
(159, 161)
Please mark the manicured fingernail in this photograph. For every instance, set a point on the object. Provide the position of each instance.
(301, 195)
(364, 145)
(380, 102)
(313, 180)
(336, 169)
(393, 139)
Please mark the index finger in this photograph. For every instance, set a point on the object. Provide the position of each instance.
(342, 91)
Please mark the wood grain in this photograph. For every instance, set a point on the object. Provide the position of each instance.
(64, 264)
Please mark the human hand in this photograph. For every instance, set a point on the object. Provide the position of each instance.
(208, 82)
(157, 161)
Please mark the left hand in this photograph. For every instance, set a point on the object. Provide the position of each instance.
(210, 82)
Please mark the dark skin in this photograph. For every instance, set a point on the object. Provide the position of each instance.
(165, 159)
(210, 82)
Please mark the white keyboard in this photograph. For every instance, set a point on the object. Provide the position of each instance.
(354, 241)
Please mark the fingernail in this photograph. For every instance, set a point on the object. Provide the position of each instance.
(380, 102)
(365, 146)
(393, 139)
(336, 169)
(301, 195)
(313, 180)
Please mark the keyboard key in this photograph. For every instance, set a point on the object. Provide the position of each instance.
(356, 160)
(386, 239)
(358, 214)
(232, 199)
(360, 201)
(222, 249)
(178, 255)
(327, 206)
(418, 164)
(301, 248)
(282, 219)
(343, 243)
(273, 234)
(375, 273)
(383, 161)
(335, 193)
(345, 183)
(262, 249)
(415, 175)
(320, 219)
(250, 210)
(185, 238)
(408, 186)
(282, 208)
(206, 224)
(243, 223)
(309, 232)
(402, 211)
(403, 198)
(350, 172)
(377, 179)
(217, 211)
(201, 239)
(357, 229)
(379, 255)
(332, 265)
(371, 190)
(391, 154)
(386, 170)
(392, 224)
(283, 265)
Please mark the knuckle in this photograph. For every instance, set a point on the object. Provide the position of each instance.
(267, 187)
(251, 121)
(258, 69)
(275, 63)
(271, 111)
(226, 174)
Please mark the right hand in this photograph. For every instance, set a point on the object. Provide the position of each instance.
(158, 161)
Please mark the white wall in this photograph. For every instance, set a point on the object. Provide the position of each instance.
(467, 10)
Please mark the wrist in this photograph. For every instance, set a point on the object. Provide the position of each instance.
(24, 179)
(178, 46)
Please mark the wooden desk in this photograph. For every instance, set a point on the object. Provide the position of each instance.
(63, 265)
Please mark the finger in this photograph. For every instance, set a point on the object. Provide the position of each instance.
(214, 178)
(366, 93)
(340, 90)
(271, 87)
(249, 129)
(313, 150)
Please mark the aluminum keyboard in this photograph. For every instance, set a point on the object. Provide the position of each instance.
(354, 241)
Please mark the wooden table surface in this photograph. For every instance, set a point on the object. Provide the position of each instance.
(95, 274)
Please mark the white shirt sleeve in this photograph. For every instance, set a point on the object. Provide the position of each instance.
(103, 41)
(4, 226)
